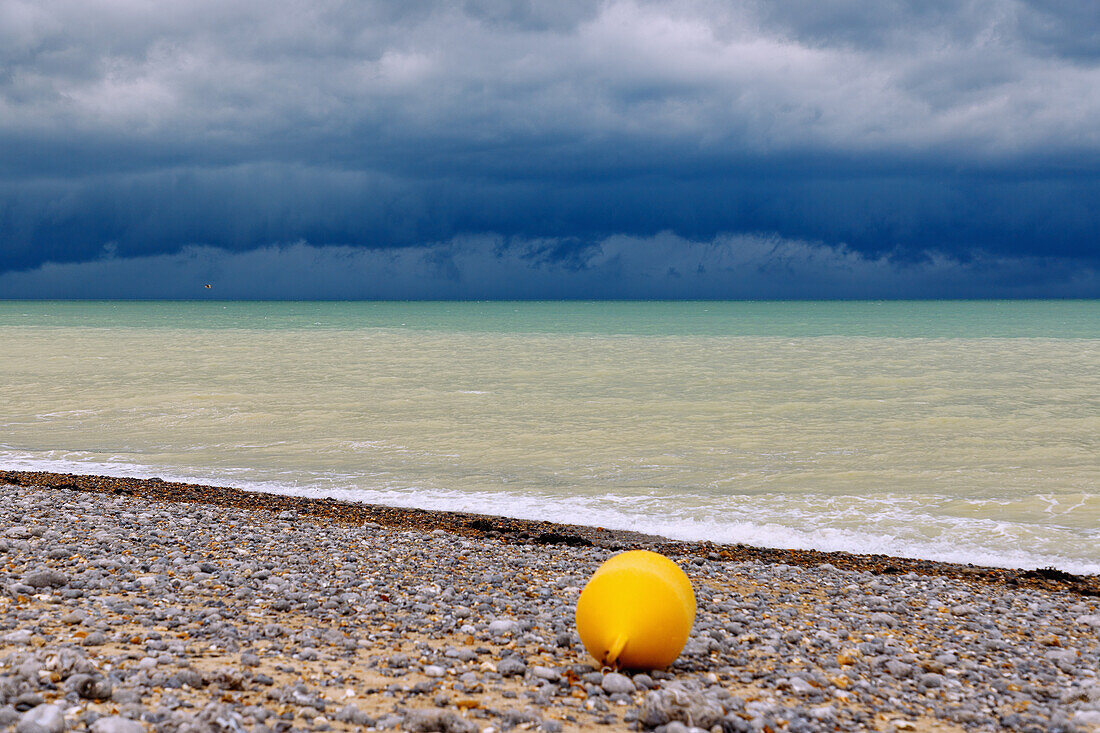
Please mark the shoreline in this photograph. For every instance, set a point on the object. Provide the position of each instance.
(533, 532)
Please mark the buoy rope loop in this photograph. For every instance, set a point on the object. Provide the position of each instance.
(612, 659)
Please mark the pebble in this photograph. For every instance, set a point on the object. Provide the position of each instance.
(899, 669)
(545, 673)
(679, 702)
(418, 721)
(800, 686)
(96, 638)
(187, 617)
(511, 667)
(116, 724)
(1087, 718)
(931, 679)
(503, 626)
(42, 719)
(45, 578)
(884, 619)
(90, 687)
(613, 682)
(18, 637)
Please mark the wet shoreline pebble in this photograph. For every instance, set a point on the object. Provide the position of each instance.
(121, 613)
(523, 531)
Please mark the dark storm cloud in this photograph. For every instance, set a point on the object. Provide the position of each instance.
(662, 266)
(242, 207)
(917, 130)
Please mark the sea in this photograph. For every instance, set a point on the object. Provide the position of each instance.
(964, 431)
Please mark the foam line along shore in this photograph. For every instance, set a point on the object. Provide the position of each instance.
(522, 531)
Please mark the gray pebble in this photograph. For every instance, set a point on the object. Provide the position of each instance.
(1087, 718)
(613, 682)
(96, 638)
(42, 719)
(899, 669)
(545, 673)
(9, 716)
(353, 715)
(504, 626)
(931, 679)
(45, 578)
(19, 637)
(511, 667)
(677, 702)
(117, 724)
(884, 619)
(443, 721)
(89, 687)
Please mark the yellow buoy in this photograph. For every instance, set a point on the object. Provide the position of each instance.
(636, 611)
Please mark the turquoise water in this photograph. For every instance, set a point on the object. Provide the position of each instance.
(964, 431)
(786, 319)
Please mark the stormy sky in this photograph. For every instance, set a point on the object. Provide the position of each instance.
(567, 149)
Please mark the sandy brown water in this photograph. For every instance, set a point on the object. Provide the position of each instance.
(857, 432)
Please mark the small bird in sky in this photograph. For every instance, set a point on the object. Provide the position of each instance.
(207, 286)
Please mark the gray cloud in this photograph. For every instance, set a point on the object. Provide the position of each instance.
(1067, 29)
(446, 85)
(901, 127)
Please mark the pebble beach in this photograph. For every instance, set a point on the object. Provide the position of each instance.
(138, 605)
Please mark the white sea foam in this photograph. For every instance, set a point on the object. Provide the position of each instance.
(900, 532)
